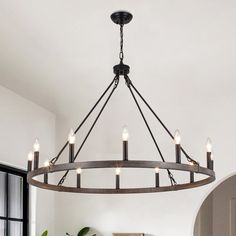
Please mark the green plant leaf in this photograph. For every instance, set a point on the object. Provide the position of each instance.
(94, 235)
(83, 231)
(45, 233)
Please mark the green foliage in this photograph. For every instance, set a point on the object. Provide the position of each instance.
(45, 233)
(82, 232)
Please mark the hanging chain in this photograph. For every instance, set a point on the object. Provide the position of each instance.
(121, 55)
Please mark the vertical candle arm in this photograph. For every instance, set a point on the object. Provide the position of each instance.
(209, 161)
(46, 178)
(71, 152)
(29, 168)
(178, 153)
(36, 160)
(191, 177)
(117, 181)
(157, 180)
(78, 180)
(125, 150)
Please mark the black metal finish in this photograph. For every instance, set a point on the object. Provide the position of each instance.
(121, 69)
(14, 171)
(157, 180)
(29, 167)
(191, 177)
(117, 181)
(178, 153)
(121, 17)
(162, 123)
(125, 150)
(209, 160)
(55, 159)
(36, 160)
(78, 181)
(128, 82)
(46, 178)
(115, 82)
(71, 152)
(7, 202)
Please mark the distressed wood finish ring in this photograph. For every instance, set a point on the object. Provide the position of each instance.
(121, 164)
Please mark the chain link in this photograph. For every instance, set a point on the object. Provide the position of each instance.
(121, 54)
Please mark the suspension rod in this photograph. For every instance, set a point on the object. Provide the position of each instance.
(148, 127)
(116, 80)
(161, 122)
(54, 160)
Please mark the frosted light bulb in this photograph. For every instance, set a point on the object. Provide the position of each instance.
(79, 171)
(212, 156)
(177, 137)
(71, 137)
(125, 134)
(36, 146)
(209, 145)
(30, 156)
(157, 170)
(46, 164)
(117, 171)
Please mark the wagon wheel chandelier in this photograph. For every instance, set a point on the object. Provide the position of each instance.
(191, 166)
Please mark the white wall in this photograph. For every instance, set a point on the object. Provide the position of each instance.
(21, 121)
(160, 214)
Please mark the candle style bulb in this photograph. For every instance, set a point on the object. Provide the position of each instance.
(46, 164)
(125, 134)
(209, 145)
(79, 171)
(212, 156)
(71, 137)
(117, 171)
(157, 170)
(36, 146)
(30, 156)
(177, 137)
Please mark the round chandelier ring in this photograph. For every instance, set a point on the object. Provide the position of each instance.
(121, 164)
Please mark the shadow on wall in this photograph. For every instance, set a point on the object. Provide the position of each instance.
(217, 215)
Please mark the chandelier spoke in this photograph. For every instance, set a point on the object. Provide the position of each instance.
(55, 159)
(162, 123)
(128, 83)
(115, 82)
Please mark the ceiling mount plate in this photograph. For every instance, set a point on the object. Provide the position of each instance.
(121, 17)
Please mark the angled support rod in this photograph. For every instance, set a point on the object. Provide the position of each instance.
(55, 159)
(116, 82)
(161, 122)
(128, 82)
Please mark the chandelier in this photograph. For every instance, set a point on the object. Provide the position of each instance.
(190, 166)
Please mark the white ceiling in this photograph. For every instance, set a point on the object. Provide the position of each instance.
(60, 54)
